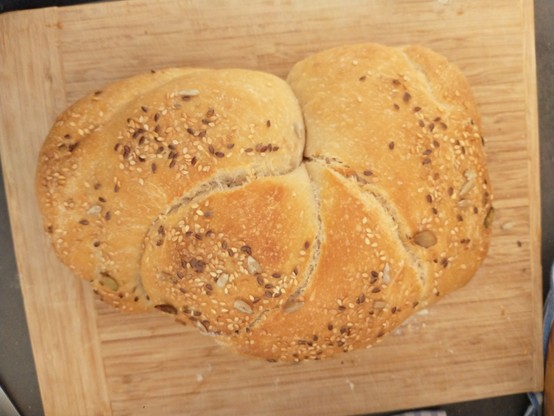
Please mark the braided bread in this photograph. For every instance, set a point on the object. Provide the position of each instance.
(289, 219)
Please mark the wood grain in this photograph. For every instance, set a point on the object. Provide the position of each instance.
(63, 330)
(484, 340)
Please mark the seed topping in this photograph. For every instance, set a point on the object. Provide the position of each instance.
(425, 239)
(241, 306)
(166, 308)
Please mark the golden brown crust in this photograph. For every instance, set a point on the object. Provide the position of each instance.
(364, 282)
(116, 160)
(228, 255)
(184, 191)
(403, 122)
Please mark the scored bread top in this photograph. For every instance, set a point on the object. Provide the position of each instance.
(186, 191)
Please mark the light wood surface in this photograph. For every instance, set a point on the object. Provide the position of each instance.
(484, 340)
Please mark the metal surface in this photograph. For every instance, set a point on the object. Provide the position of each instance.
(6, 406)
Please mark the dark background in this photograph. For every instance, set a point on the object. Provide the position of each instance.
(17, 372)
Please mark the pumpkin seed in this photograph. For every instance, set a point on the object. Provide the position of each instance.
(425, 239)
(109, 282)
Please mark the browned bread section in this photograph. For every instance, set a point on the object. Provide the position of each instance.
(364, 282)
(230, 255)
(185, 191)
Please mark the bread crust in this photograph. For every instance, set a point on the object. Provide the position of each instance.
(121, 157)
(290, 220)
(404, 124)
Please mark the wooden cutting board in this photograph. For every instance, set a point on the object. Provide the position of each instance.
(484, 340)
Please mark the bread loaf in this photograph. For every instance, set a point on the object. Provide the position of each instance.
(290, 220)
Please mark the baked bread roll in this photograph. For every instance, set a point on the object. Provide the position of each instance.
(197, 192)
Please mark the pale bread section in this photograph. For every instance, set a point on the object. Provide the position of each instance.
(119, 158)
(403, 122)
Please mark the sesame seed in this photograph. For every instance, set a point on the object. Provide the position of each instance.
(362, 78)
(84, 222)
(426, 161)
(406, 97)
(391, 145)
